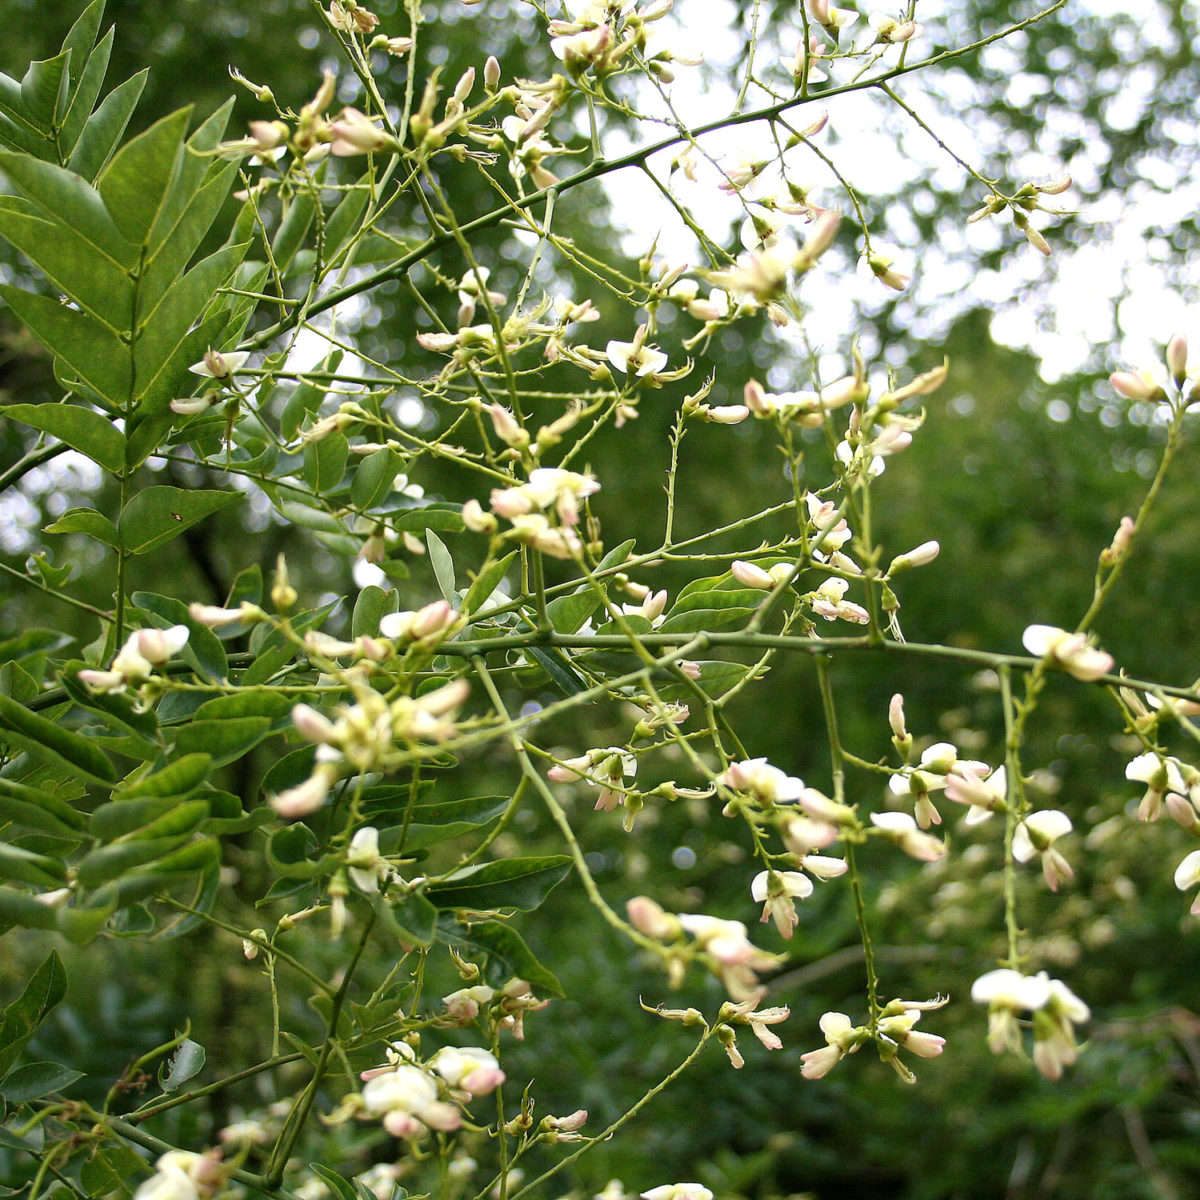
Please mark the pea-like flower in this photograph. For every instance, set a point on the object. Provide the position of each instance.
(1037, 835)
(1070, 652)
(779, 890)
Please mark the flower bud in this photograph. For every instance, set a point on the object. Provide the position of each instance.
(925, 553)
(1135, 386)
(1177, 352)
(491, 73)
(751, 575)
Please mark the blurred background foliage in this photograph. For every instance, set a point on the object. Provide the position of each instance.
(1022, 472)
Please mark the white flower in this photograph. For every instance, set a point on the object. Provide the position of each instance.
(363, 863)
(215, 365)
(778, 889)
(632, 358)
(983, 793)
(1069, 651)
(1054, 1044)
(1036, 835)
(1160, 775)
(678, 1191)
(468, 1069)
(765, 783)
(902, 829)
(406, 1099)
(842, 1038)
(1187, 875)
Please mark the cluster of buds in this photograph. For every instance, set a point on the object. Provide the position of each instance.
(136, 660)
(525, 505)
(313, 135)
(1054, 1008)
(505, 1007)
(763, 275)
(600, 35)
(939, 768)
(362, 737)
(1070, 652)
(893, 1031)
(722, 946)
(1026, 199)
(806, 408)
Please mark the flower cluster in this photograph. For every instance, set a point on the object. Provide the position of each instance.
(525, 505)
(1070, 652)
(136, 660)
(1054, 1008)
(362, 736)
(893, 1031)
(723, 946)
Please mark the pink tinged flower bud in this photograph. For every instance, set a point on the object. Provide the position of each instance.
(512, 502)
(824, 867)
(569, 1123)
(157, 645)
(816, 1064)
(751, 575)
(821, 235)
(491, 73)
(881, 268)
(312, 724)
(307, 797)
(103, 681)
(756, 399)
(507, 428)
(654, 606)
(651, 919)
(1182, 812)
(1177, 352)
(896, 717)
(355, 133)
(1135, 386)
(822, 808)
(690, 669)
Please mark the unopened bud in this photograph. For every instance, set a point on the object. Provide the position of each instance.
(491, 73)
(1135, 386)
(283, 595)
(1177, 352)
(1181, 812)
(507, 428)
(1113, 553)
(923, 554)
